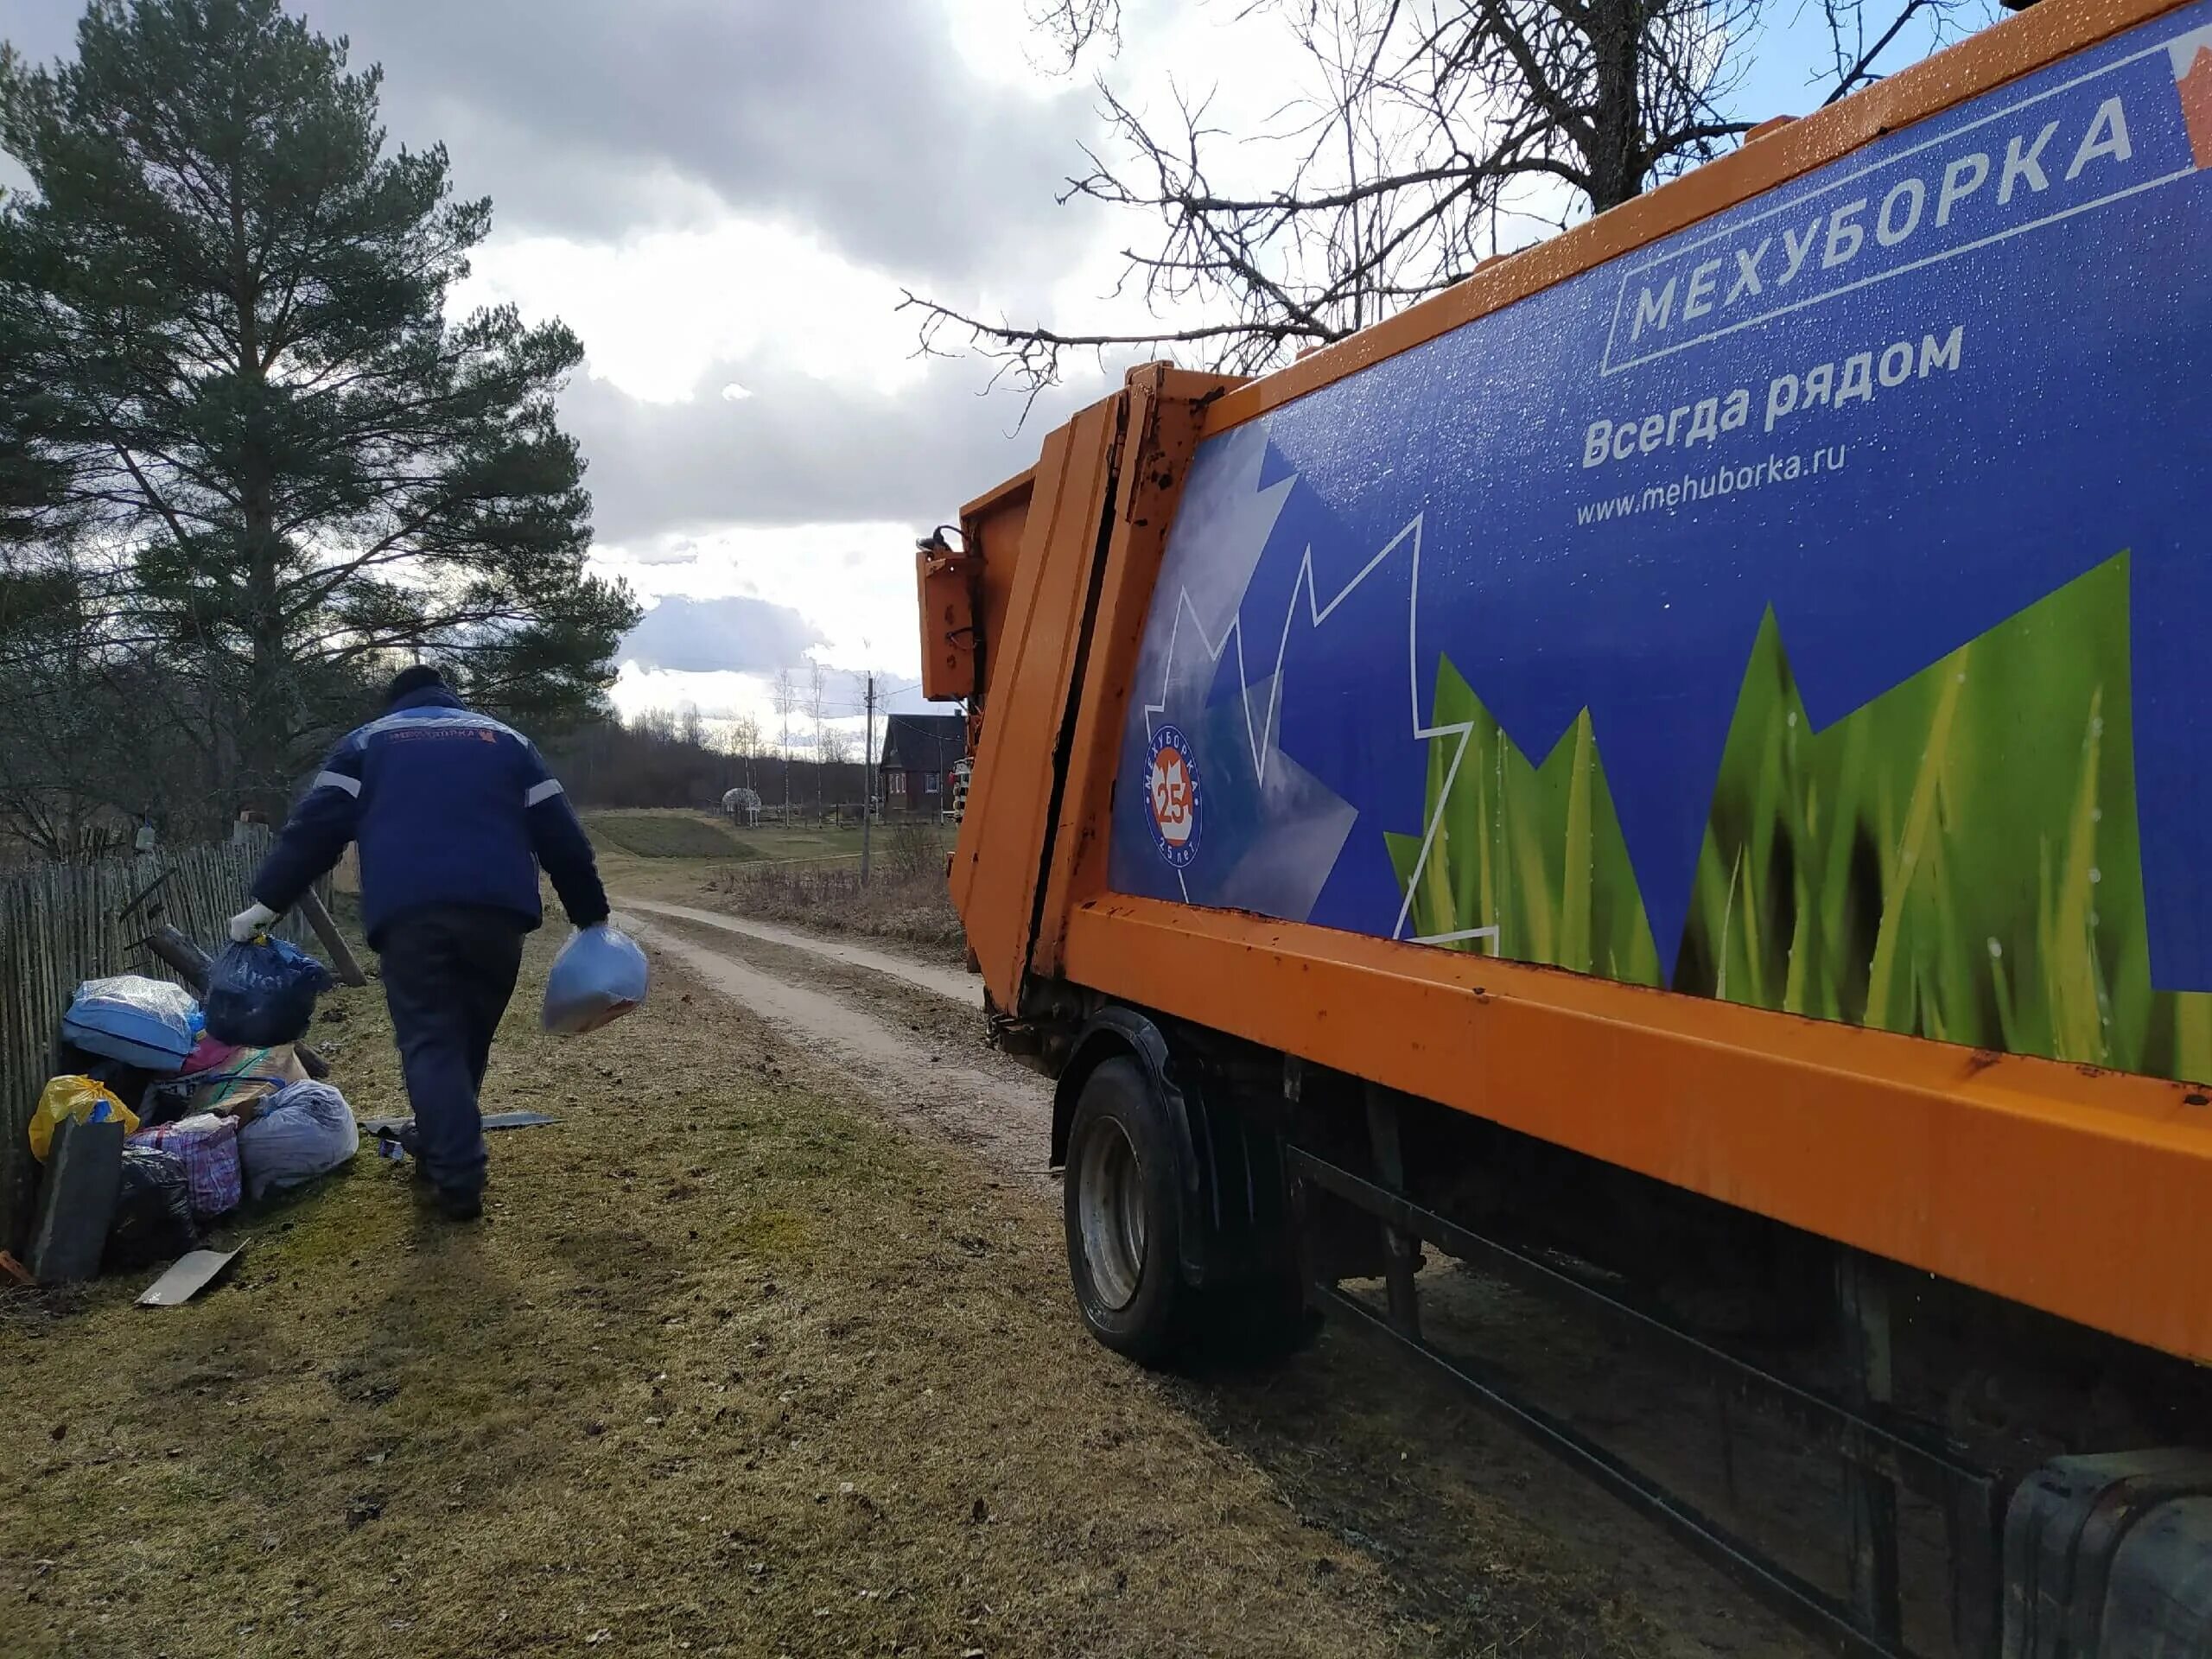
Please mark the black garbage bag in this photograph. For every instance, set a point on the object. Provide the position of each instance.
(153, 1213)
(261, 994)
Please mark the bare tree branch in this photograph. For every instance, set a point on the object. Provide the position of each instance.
(1422, 137)
(1855, 54)
(1073, 27)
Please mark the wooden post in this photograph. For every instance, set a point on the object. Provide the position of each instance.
(341, 954)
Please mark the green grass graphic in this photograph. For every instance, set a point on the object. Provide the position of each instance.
(1956, 859)
(1535, 852)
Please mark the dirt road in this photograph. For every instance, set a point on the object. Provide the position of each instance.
(964, 989)
(1477, 1529)
(870, 1034)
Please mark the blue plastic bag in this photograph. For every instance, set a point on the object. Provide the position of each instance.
(142, 1022)
(262, 993)
(599, 975)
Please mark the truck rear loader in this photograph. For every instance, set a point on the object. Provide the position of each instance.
(1675, 775)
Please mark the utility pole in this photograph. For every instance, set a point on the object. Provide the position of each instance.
(868, 776)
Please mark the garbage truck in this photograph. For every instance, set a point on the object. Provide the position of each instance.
(1674, 776)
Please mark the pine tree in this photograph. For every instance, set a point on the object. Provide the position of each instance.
(233, 292)
(34, 479)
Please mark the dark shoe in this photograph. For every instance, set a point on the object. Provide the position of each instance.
(456, 1205)
(411, 1143)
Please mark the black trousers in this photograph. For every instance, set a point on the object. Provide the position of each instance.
(448, 971)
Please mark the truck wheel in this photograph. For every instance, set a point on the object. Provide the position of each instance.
(1123, 1223)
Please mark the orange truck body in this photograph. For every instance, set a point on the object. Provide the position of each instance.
(2084, 1192)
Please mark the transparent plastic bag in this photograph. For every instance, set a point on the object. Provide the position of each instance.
(600, 975)
(261, 994)
(141, 1021)
(79, 1098)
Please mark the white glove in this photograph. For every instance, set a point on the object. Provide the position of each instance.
(252, 922)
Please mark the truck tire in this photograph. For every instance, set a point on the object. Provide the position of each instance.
(1124, 1224)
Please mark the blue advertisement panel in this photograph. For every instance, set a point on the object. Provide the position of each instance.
(1809, 609)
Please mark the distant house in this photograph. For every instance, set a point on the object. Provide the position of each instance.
(919, 754)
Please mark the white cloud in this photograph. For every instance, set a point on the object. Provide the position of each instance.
(725, 697)
(745, 369)
(688, 635)
(858, 118)
(656, 309)
(852, 584)
(801, 450)
(993, 40)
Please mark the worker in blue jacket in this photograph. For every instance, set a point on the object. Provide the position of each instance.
(453, 813)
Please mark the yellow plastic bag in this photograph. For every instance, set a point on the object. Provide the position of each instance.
(79, 1098)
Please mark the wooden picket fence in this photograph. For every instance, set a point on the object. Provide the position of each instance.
(63, 924)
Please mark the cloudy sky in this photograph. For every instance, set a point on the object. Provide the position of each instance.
(724, 198)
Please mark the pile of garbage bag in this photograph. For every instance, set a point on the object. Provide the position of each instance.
(173, 1112)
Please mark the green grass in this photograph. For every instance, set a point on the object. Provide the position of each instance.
(667, 835)
(1957, 858)
(683, 833)
(804, 840)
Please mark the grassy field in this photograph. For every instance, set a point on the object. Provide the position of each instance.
(804, 875)
(913, 911)
(731, 1367)
(676, 832)
(905, 901)
(666, 835)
